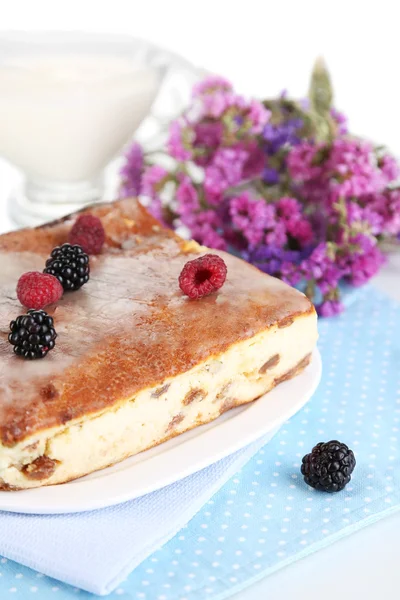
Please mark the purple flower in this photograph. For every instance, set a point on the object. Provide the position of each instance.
(152, 180)
(214, 105)
(155, 209)
(357, 216)
(211, 84)
(362, 264)
(345, 169)
(300, 230)
(270, 176)
(271, 258)
(207, 236)
(321, 267)
(252, 217)
(208, 133)
(340, 196)
(178, 141)
(207, 138)
(214, 186)
(387, 207)
(254, 161)
(330, 308)
(288, 208)
(354, 212)
(131, 171)
(230, 167)
(352, 169)
(258, 115)
(303, 163)
(341, 121)
(278, 137)
(277, 235)
(389, 167)
(230, 162)
(226, 170)
(232, 106)
(187, 197)
(206, 228)
(290, 273)
(292, 266)
(282, 134)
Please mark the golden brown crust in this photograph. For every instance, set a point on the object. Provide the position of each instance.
(130, 327)
(286, 322)
(125, 220)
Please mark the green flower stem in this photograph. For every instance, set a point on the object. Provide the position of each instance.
(310, 289)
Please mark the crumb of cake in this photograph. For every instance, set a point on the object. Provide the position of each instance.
(37, 290)
(202, 276)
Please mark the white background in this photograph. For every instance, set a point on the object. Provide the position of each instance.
(264, 47)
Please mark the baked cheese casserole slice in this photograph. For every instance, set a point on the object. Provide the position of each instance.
(136, 361)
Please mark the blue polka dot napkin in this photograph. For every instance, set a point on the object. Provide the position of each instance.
(264, 516)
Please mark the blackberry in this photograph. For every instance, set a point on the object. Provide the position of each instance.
(70, 264)
(32, 335)
(329, 466)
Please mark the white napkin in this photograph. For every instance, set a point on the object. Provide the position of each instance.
(96, 550)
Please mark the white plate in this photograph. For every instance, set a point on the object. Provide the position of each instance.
(175, 459)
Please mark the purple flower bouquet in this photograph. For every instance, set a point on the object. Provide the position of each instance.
(280, 183)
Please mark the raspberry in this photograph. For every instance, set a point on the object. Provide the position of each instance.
(88, 232)
(36, 290)
(202, 276)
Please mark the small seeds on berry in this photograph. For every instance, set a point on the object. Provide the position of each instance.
(88, 232)
(70, 265)
(328, 467)
(202, 276)
(37, 290)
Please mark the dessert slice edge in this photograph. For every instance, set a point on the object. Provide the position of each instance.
(240, 372)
